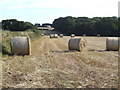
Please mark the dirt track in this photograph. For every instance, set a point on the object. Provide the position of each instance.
(53, 65)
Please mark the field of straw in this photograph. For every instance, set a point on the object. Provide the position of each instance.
(52, 65)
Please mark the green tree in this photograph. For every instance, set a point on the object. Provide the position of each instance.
(14, 25)
(105, 26)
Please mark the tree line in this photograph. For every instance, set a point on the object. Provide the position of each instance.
(105, 26)
(15, 25)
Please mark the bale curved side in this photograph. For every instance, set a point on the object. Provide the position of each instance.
(112, 44)
(77, 44)
(20, 45)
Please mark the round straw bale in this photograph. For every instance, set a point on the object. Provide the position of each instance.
(55, 35)
(42, 34)
(61, 35)
(72, 35)
(98, 35)
(77, 44)
(20, 45)
(84, 34)
(51, 35)
(112, 44)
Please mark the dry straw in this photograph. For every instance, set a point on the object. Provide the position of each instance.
(112, 43)
(20, 45)
(77, 44)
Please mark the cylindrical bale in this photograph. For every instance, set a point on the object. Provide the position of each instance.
(61, 35)
(112, 44)
(77, 44)
(51, 35)
(42, 34)
(98, 35)
(72, 35)
(20, 45)
(84, 35)
(55, 35)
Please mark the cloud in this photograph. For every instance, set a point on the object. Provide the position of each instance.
(76, 6)
(20, 4)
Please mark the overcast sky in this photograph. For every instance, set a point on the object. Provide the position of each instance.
(45, 11)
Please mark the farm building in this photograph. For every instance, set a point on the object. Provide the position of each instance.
(37, 24)
(46, 26)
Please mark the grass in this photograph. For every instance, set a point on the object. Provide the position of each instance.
(6, 35)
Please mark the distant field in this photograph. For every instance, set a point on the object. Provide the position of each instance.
(53, 65)
(45, 28)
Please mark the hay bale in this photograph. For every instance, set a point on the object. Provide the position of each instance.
(98, 35)
(20, 45)
(55, 35)
(72, 35)
(42, 34)
(61, 35)
(84, 35)
(51, 35)
(112, 44)
(77, 44)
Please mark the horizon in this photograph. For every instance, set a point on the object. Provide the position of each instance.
(46, 11)
(48, 22)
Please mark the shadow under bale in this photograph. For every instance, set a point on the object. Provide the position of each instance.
(92, 50)
(66, 51)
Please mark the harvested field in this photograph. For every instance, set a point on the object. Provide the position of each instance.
(52, 65)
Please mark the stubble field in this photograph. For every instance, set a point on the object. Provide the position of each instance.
(52, 65)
